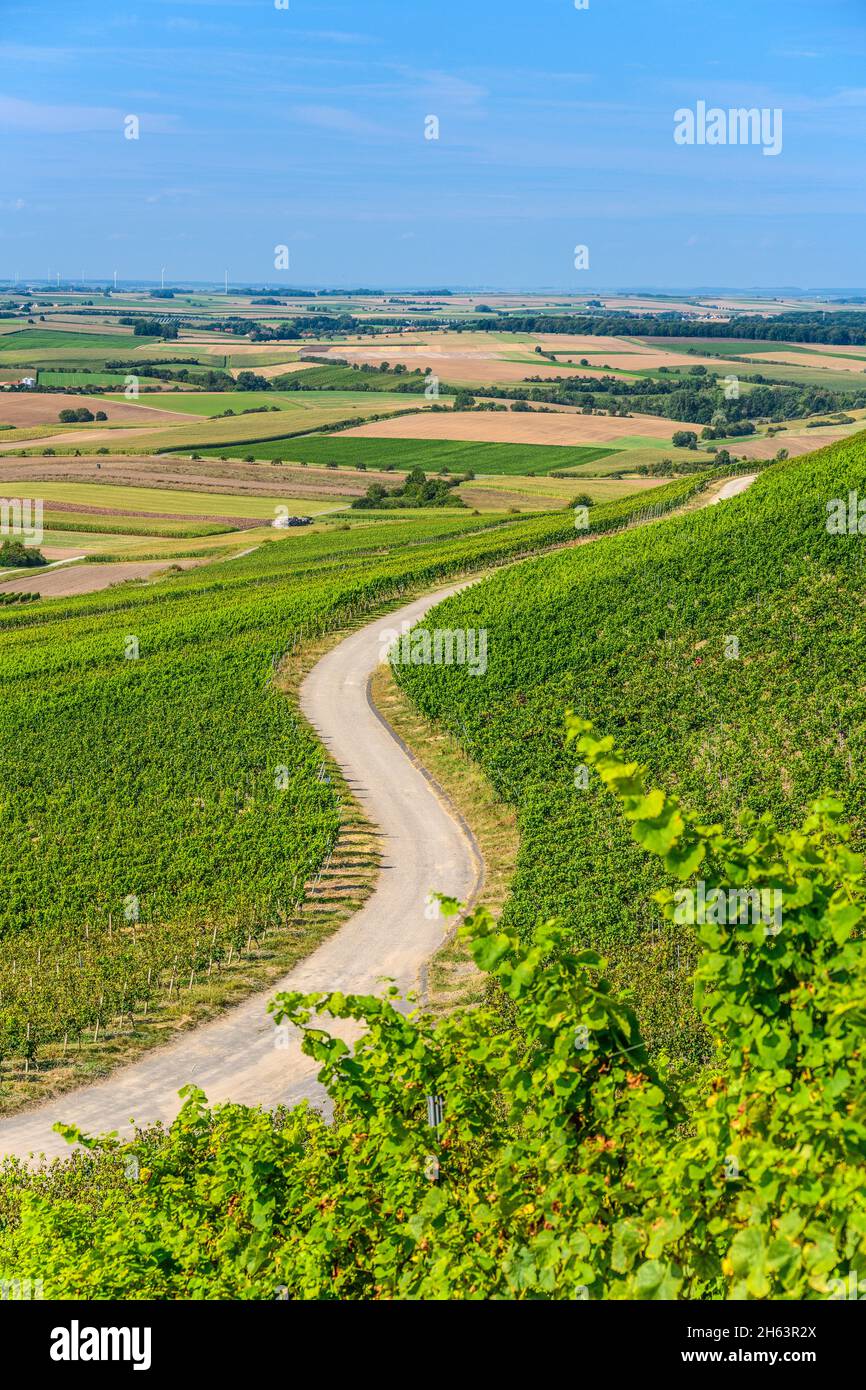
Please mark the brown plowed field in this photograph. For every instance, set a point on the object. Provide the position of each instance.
(25, 408)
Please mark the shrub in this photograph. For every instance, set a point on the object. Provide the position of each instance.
(17, 554)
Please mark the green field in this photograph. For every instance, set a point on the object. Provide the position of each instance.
(217, 402)
(170, 500)
(721, 347)
(459, 456)
(351, 379)
(28, 339)
(83, 378)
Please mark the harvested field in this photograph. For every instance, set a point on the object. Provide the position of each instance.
(29, 408)
(482, 360)
(173, 473)
(796, 441)
(279, 368)
(87, 579)
(476, 368)
(815, 358)
(518, 427)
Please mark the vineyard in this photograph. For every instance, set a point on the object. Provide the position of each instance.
(173, 808)
(723, 647)
(550, 1160)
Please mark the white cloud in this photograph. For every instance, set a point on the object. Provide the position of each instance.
(34, 117)
(336, 118)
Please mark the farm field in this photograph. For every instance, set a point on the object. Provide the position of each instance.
(120, 541)
(87, 378)
(206, 474)
(72, 580)
(161, 501)
(796, 441)
(27, 340)
(310, 412)
(530, 428)
(23, 408)
(485, 359)
(544, 494)
(218, 402)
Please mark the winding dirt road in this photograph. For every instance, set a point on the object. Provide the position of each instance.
(242, 1056)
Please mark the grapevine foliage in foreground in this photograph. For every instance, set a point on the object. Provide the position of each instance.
(566, 1166)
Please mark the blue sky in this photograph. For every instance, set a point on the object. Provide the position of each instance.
(305, 127)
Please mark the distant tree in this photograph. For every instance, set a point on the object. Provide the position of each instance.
(251, 381)
(684, 439)
(19, 556)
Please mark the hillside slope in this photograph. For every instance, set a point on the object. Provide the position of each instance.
(636, 634)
